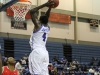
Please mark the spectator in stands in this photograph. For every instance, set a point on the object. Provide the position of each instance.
(99, 63)
(85, 68)
(23, 61)
(54, 62)
(52, 69)
(55, 58)
(91, 70)
(10, 68)
(19, 67)
(62, 72)
(66, 66)
(25, 57)
(99, 68)
(3, 57)
(72, 66)
(75, 62)
(79, 68)
(96, 72)
(4, 60)
(92, 61)
(26, 71)
(63, 60)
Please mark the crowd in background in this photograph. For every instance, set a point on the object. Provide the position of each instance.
(58, 66)
(62, 67)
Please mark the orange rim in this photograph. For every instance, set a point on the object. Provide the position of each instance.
(15, 6)
(25, 1)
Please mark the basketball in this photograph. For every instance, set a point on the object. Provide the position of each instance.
(56, 3)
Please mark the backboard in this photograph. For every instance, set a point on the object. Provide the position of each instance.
(6, 3)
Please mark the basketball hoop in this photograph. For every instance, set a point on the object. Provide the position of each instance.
(20, 10)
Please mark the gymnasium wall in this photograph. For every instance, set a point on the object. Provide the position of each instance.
(86, 33)
(64, 5)
(58, 30)
(88, 6)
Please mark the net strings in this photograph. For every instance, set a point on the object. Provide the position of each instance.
(20, 10)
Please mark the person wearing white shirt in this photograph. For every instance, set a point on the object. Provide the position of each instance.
(91, 70)
(19, 67)
(23, 61)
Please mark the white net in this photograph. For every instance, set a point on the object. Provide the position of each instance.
(20, 10)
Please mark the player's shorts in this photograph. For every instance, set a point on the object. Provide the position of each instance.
(38, 62)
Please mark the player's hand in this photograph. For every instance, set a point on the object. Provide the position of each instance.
(50, 3)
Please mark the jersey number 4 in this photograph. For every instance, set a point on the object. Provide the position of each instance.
(44, 37)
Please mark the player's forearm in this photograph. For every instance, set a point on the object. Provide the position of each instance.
(37, 8)
(48, 12)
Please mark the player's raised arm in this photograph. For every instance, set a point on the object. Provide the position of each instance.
(48, 12)
(34, 10)
(34, 15)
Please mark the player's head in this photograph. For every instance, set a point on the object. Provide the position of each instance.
(11, 61)
(43, 19)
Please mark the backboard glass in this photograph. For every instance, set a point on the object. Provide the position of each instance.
(6, 3)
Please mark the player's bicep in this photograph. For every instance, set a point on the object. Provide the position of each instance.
(34, 19)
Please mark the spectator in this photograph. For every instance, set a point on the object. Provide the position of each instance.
(96, 72)
(91, 70)
(64, 60)
(52, 69)
(3, 58)
(10, 68)
(99, 68)
(75, 62)
(19, 67)
(92, 61)
(99, 63)
(4, 62)
(26, 71)
(54, 62)
(85, 68)
(72, 66)
(23, 61)
(62, 72)
(25, 57)
(79, 68)
(55, 58)
(65, 66)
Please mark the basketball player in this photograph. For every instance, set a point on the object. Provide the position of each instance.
(10, 68)
(39, 58)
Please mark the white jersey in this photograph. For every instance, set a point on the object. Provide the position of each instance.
(39, 38)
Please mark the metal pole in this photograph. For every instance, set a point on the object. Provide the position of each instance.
(75, 23)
